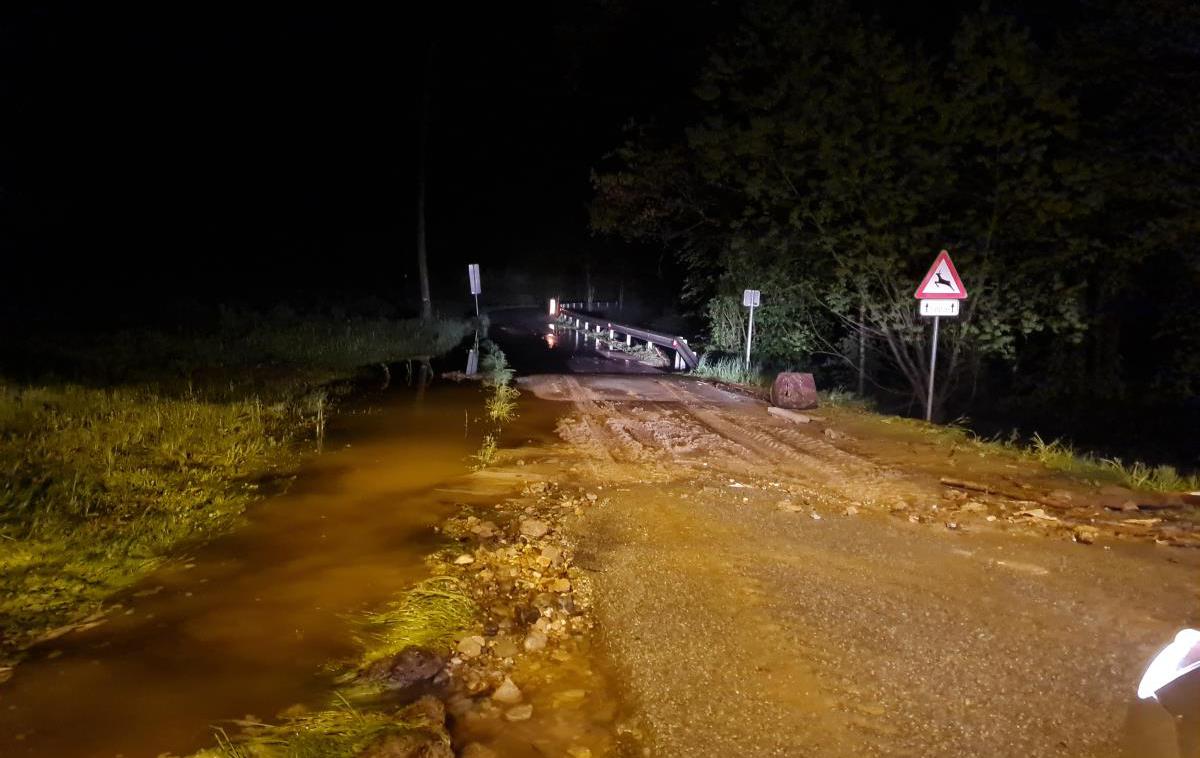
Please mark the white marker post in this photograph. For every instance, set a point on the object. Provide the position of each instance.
(939, 293)
(473, 276)
(753, 299)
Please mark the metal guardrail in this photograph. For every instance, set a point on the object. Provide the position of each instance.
(685, 357)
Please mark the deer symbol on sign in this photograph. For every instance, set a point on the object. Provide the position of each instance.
(941, 281)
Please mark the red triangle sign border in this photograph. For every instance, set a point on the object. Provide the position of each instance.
(962, 291)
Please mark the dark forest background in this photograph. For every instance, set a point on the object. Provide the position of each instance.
(160, 160)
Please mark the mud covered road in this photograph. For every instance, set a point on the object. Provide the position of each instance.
(767, 588)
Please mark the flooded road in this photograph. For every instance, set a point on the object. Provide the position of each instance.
(760, 587)
(244, 627)
(257, 622)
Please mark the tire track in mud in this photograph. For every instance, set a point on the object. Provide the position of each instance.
(781, 456)
(602, 428)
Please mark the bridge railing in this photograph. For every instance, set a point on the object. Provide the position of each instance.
(685, 357)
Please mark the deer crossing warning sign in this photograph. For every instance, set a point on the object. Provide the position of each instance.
(942, 282)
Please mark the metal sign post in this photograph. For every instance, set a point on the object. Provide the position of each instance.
(751, 298)
(473, 276)
(939, 293)
(932, 370)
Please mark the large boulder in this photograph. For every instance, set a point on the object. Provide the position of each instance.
(794, 390)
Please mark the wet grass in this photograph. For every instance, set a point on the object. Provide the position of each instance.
(501, 407)
(501, 404)
(1055, 455)
(486, 454)
(732, 370)
(342, 731)
(429, 615)
(120, 451)
(1061, 456)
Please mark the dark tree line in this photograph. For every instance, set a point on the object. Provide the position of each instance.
(827, 158)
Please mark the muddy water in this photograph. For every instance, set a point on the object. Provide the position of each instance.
(257, 622)
(247, 625)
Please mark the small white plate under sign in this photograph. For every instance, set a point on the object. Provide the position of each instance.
(939, 307)
(751, 298)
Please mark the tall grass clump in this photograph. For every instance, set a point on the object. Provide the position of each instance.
(1060, 455)
(429, 615)
(501, 403)
(730, 369)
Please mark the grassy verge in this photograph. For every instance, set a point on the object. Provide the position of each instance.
(1056, 455)
(120, 450)
(1061, 456)
(732, 370)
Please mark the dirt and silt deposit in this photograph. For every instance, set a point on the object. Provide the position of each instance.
(658, 566)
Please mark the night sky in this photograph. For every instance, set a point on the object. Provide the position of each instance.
(261, 152)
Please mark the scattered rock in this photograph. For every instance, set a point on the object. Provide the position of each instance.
(505, 648)
(560, 585)
(815, 516)
(406, 668)
(464, 559)
(1086, 535)
(526, 614)
(534, 528)
(591, 497)
(428, 738)
(1037, 514)
(519, 713)
(973, 506)
(551, 553)
(833, 434)
(507, 693)
(470, 647)
(484, 530)
(850, 511)
(535, 641)
(793, 416)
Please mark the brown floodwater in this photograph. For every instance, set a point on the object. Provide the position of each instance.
(249, 624)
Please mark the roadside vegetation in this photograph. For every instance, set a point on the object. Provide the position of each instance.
(731, 369)
(501, 404)
(121, 449)
(1055, 454)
